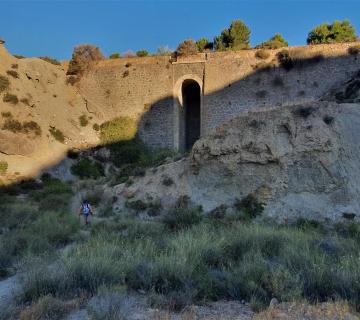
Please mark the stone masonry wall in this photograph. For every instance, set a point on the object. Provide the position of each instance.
(149, 89)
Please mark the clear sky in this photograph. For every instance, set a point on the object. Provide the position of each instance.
(53, 28)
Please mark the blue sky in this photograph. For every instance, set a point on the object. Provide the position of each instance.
(53, 28)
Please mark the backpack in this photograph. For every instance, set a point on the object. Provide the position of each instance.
(85, 208)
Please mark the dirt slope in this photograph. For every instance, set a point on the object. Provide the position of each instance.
(45, 98)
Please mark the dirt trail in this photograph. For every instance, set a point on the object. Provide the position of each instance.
(9, 289)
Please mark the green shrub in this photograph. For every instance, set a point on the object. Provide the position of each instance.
(3, 167)
(115, 56)
(54, 227)
(25, 101)
(13, 74)
(86, 168)
(10, 98)
(204, 44)
(177, 219)
(338, 31)
(96, 127)
(276, 42)
(142, 53)
(31, 126)
(83, 120)
(12, 125)
(51, 60)
(118, 129)
(47, 307)
(16, 126)
(19, 56)
(137, 205)
(57, 134)
(250, 206)
(262, 54)
(261, 94)
(236, 37)
(4, 83)
(6, 114)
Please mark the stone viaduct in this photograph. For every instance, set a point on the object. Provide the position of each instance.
(177, 101)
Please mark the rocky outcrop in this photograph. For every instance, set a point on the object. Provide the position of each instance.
(297, 161)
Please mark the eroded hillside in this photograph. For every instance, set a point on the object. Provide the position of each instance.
(39, 118)
(296, 161)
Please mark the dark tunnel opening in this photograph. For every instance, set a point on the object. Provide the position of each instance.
(191, 102)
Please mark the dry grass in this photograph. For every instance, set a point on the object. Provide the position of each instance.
(48, 307)
(299, 311)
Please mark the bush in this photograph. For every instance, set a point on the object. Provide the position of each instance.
(96, 127)
(31, 126)
(250, 205)
(47, 307)
(86, 168)
(338, 31)
(83, 58)
(261, 94)
(51, 60)
(179, 218)
(142, 53)
(118, 129)
(354, 50)
(6, 114)
(10, 98)
(25, 101)
(4, 83)
(71, 80)
(204, 44)
(276, 42)
(16, 126)
(110, 306)
(278, 81)
(114, 56)
(83, 120)
(262, 54)
(19, 56)
(13, 74)
(3, 167)
(12, 125)
(167, 181)
(186, 48)
(57, 134)
(299, 58)
(236, 37)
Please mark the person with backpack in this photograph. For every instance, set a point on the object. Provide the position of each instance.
(85, 210)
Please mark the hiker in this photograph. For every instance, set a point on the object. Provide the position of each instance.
(85, 210)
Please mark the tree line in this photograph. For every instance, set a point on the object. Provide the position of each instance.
(237, 37)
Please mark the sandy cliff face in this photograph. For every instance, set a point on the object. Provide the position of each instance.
(45, 98)
(298, 161)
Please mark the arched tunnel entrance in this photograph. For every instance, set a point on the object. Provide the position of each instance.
(191, 97)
